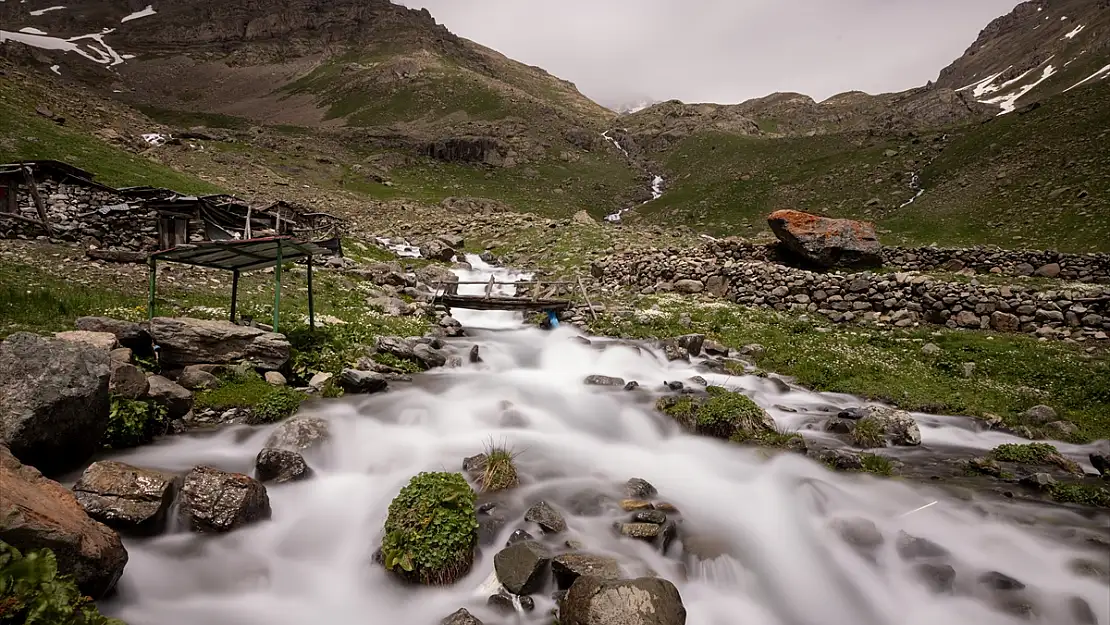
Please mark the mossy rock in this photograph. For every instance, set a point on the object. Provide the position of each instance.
(492, 471)
(431, 530)
(720, 413)
(1035, 454)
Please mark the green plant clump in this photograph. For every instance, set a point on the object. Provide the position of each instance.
(396, 362)
(877, 465)
(723, 414)
(33, 593)
(431, 530)
(495, 469)
(279, 404)
(133, 422)
(1082, 494)
(868, 434)
(1031, 453)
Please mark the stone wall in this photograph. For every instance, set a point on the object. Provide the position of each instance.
(86, 215)
(1048, 264)
(900, 299)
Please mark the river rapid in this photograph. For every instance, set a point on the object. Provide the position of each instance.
(768, 555)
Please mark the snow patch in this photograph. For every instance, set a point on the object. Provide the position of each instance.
(1074, 32)
(1008, 102)
(32, 31)
(981, 87)
(57, 69)
(995, 88)
(102, 53)
(154, 138)
(1100, 74)
(148, 11)
(46, 10)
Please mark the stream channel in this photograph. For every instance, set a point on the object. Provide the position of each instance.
(767, 555)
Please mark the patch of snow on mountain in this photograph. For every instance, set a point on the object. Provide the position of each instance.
(57, 69)
(102, 53)
(46, 10)
(1008, 102)
(1073, 33)
(995, 88)
(32, 31)
(982, 83)
(1102, 73)
(148, 11)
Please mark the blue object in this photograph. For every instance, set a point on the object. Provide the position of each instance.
(553, 319)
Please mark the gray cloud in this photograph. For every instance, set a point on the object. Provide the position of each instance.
(725, 51)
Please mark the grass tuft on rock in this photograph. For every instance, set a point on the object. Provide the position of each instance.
(877, 465)
(1083, 494)
(32, 591)
(133, 422)
(721, 414)
(498, 469)
(868, 434)
(431, 530)
(1031, 453)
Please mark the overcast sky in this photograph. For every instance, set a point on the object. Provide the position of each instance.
(727, 51)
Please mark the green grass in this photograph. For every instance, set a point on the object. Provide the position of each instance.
(1013, 373)
(868, 434)
(1032, 453)
(25, 135)
(1083, 494)
(877, 465)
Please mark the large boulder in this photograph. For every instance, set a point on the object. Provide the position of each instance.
(298, 434)
(281, 465)
(884, 424)
(827, 242)
(434, 554)
(643, 601)
(54, 400)
(522, 567)
(182, 342)
(37, 513)
(215, 501)
(100, 340)
(129, 334)
(126, 498)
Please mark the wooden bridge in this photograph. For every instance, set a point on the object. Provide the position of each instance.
(447, 294)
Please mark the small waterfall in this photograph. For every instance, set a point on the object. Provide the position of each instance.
(656, 182)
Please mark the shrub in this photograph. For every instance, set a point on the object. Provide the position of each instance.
(33, 593)
(133, 422)
(431, 530)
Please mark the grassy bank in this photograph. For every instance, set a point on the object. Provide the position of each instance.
(1012, 373)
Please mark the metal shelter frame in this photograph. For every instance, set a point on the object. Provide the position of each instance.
(238, 256)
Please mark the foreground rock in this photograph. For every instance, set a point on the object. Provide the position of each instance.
(182, 342)
(177, 399)
(522, 567)
(37, 513)
(643, 601)
(215, 501)
(281, 465)
(439, 554)
(720, 413)
(461, 617)
(131, 335)
(299, 434)
(126, 498)
(54, 400)
(362, 382)
(827, 242)
(567, 568)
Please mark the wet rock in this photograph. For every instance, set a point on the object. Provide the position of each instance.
(602, 380)
(629, 505)
(54, 400)
(299, 434)
(643, 601)
(839, 426)
(1100, 460)
(1039, 481)
(522, 567)
(437, 250)
(280, 465)
(177, 399)
(461, 617)
(672, 352)
(1081, 611)
(649, 516)
(548, 518)
(827, 242)
(429, 356)
(505, 604)
(860, 534)
(939, 578)
(182, 342)
(491, 520)
(852, 414)
(700, 381)
(912, 547)
(1000, 581)
(198, 378)
(568, 567)
(126, 498)
(475, 355)
(451, 327)
(41, 513)
(654, 533)
(984, 466)
(129, 334)
(588, 502)
(840, 459)
(518, 536)
(215, 501)
(632, 385)
(637, 488)
(362, 382)
(885, 424)
(1040, 415)
(128, 381)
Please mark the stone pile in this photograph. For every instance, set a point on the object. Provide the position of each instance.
(89, 215)
(1045, 264)
(901, 299)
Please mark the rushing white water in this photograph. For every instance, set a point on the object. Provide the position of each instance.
(778, 562)
(656, 182)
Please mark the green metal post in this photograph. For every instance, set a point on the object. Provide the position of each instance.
(311, 306)
(153, 281)
(234, 293)
(277, 287)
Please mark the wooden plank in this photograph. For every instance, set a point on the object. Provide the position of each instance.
(480, 302)
(586, 297)
(33, 188)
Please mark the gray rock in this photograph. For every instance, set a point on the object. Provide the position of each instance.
(522, 567)
(451, 327)
(196, 378)
(461, 617)
(429, 356)
(654, 533)
(548, 518)
(1005, 322)
(299, 434)
(1051, 270)
(177, 399)
(129, 334)
(913, 547)
(1040, 415)
(689, 286)
(280, 465)
(840, 459)
(437, 250)
(897, 425)
(362, 382)
(215, 501)
(183, 342)
(930, 349)
(128, 381)
(1038, 480)
(643, 601)
(100, 340)
(861, 534)
(939, 578)
(54, 401)
(126, 498)
(568, 567)
(637, 488)
(274, 378)
(602, 380)
(1100, 460)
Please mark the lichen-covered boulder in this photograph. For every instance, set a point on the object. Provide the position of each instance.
(54, 401)
(182, 342)
(827, 242)
(215, 501)
(882, 425)
(643, 601)
(431, 530)
(299, 434)
(720, 413)
(126, 498)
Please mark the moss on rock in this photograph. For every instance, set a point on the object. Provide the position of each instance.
(431, 530)
(721, 414)
(1034, 453)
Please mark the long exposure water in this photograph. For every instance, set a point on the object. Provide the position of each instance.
(767, 523)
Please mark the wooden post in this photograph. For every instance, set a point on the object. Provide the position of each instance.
(32, 188)
(153, 282)
(277, 286)
(536, 292)
(247, 229)
(234, 293)
(311, 306)
(489, 287)
(586, 297)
